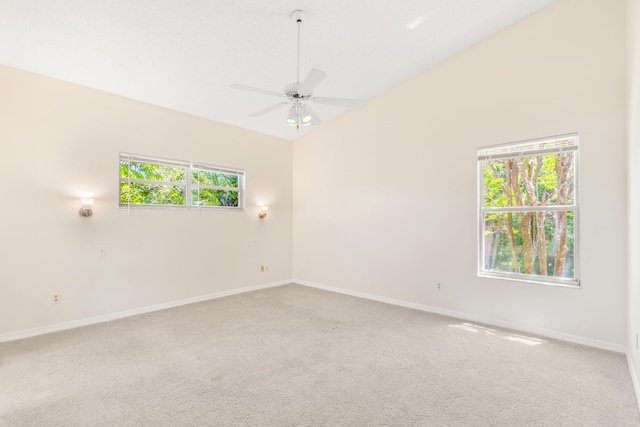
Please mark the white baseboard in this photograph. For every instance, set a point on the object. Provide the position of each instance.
(451, 313)
(11, 336)
(605, 345)
(634, 378)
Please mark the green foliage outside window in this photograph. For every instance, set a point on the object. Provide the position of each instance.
(204, 177)
(530, 239)
(203, 195)
(208, 197)
(147, 194)
(148, 183)
(163, 193)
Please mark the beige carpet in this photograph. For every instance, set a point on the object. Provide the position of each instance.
(296, 356)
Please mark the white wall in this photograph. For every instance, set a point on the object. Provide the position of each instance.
(385, 197)
(633, 223)
(59, 140)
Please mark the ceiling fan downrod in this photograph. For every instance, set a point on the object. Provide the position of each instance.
(298, 16)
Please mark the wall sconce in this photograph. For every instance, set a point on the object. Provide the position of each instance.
(87, 207)
(263, 211)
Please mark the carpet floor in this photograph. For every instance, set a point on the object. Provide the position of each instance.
(297, 356)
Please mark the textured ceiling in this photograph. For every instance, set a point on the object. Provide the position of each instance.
(184, 55)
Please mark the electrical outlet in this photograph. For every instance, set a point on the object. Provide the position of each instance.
(102, 251)
(55, 298)
(440, 287)
(266, 268)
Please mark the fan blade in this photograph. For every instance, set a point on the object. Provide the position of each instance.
(313, 79)
(315, 120)
(255, 89)
(340, 102)
(268, 109)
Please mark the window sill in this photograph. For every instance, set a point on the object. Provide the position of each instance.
(170, 207)
(535, 280)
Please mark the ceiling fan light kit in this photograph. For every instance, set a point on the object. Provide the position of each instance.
(300, 95)
(298, 116)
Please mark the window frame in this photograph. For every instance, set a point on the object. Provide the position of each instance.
(482, 210)
(187, 185)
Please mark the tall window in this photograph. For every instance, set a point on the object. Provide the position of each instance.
(147, 181)
(529, 211)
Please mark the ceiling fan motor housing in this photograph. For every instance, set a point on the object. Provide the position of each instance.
(291, 90)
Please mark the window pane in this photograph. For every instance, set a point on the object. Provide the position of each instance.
(145, 194)
(540, 243)
(151, 171)
(544, 180)
(209, 197)
(204, 177)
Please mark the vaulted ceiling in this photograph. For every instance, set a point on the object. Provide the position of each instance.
(184, 55)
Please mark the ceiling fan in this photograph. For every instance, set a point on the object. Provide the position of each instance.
(300, 95)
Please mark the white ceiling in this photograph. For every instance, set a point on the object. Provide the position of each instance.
(184, 54)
